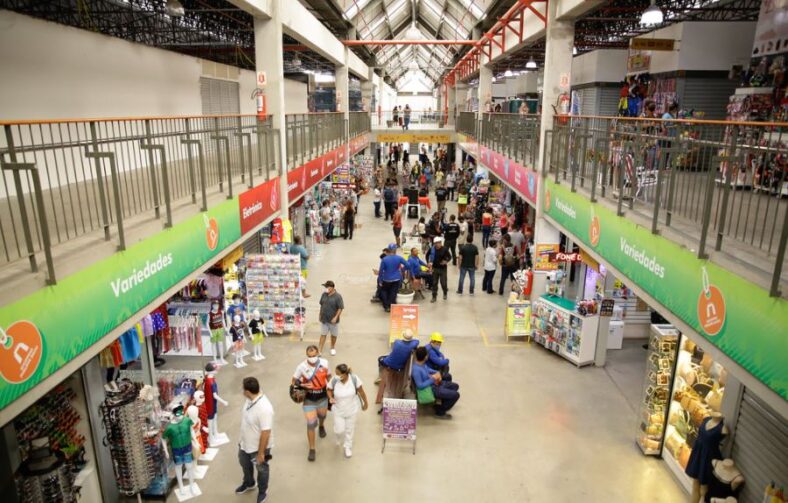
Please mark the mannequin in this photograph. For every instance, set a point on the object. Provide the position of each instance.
(213, 400)
(706, 449)
(238, 333)
(193, 413)
(218, 328)
(726, 482)
(178, 436)
(257, 328)
(237, 308)
(202, 414)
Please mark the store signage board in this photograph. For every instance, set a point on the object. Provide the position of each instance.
(638, 63)
(258, 204)
(413, 138)
(542, 260)
(399, 420)
(53, 325)
(520, 178)
(737, 316)
(652, 44)
(565, 257)
(303, 178)
(403, 316)
(518, 319)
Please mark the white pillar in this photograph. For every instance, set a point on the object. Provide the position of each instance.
(269, 57)
(485, 88)
(367, 91)
(342, 77)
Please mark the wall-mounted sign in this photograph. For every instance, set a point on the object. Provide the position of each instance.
(638, 63)
(652, 44)
(565, 257)
(262, 79)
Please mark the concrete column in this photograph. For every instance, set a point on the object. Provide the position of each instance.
(380, 111)
(485, 88)
(269, 57)
(460, 95)
(367, 91)
(452, 99)
(342, 79)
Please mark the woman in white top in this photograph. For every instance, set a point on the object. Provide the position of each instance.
(376, 201)
(347, 396)
(490, 265)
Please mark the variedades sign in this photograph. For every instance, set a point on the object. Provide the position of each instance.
(514, 174)
(737, 316)
(42, 332)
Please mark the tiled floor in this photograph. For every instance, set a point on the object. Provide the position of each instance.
(529, 427)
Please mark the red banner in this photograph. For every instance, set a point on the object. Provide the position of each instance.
(359, 143)
(523, 180)
(259, 203)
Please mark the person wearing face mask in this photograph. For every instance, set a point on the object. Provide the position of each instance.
(256, 439)
(346, 394)
(313, 375)
(331, 307)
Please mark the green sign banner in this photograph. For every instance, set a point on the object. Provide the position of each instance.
(42, 332)
(737, 316)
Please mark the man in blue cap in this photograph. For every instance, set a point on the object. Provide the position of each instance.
(390, 276)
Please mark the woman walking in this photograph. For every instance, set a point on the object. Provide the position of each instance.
(347, 396)
(396, 224)
(508, 259)
(490, 265)
(348, 220)
(313, 375)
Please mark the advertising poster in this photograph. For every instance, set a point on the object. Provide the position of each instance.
(518, 319)
(403, 316)
(399, 419)
(542, 260)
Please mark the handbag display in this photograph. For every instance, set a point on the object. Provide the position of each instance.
(714, 398)
(673, 444)
(425, 396)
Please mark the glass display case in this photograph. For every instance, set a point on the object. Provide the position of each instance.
(558, 326)
(698, 388)
(660, 366)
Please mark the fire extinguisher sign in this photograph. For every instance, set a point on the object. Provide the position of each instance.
(262, 79)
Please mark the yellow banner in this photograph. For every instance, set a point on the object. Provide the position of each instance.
(651, 44)
(413, 138)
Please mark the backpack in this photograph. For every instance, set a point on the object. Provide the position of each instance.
(509, 258)
(388, 194)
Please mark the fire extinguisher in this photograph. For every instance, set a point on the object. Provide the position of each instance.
(562, 108)
(529, 282)
(262, 106)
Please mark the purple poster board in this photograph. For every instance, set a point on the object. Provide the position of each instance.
(399, 418)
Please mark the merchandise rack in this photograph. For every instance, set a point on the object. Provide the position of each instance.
(273, 288)
(558, 327)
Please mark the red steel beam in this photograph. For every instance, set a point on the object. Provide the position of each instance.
(408, 42)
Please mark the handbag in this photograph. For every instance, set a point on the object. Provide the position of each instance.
(425, 396)
(297, 393)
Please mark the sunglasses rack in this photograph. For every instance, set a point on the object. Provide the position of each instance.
(124, 416)
(51, 448)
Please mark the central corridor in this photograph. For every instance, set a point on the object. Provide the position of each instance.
(528, 427)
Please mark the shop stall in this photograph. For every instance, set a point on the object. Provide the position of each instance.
(566, 328)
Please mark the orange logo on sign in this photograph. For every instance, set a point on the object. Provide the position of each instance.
(547, 201)
(21, 348)
(711, 307)
(211, 232)
(594, 231)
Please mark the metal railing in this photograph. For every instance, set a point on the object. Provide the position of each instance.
(419, 119)
(513, 135)
(358, 123)
(65, 179)
(467, 124)
(720, 184)
(310, 135)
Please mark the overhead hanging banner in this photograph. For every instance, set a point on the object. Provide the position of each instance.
(737, 316)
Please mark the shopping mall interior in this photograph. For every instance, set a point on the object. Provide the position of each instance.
(289, 250)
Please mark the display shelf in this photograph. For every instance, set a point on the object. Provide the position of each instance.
(273, 288)
(200, 309)
(560, 328)
(660, 367)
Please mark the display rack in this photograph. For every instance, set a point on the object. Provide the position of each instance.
(273, 288)
(698, 388)
(560, 328)
(191, 316)
(660, 366)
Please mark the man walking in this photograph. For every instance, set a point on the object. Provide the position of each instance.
(440, 195)
(331, 307)
(390, 276)
(469, 262)
(256, 439)
(389, 201)
(452, 233)
(325, 221)
(439, 258)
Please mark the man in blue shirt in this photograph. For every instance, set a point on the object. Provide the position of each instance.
(400, 351)
(444, 391)
(435, 359)
(390, 276)
(415, 265)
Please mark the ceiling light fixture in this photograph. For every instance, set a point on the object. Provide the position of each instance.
(652, 15)
(508, 73)
(494, 79)
(296, 61)
(174, 8)
(531, 65)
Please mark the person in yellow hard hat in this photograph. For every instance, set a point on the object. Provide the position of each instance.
(436, 360)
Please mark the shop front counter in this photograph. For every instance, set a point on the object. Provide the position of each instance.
(558, 326)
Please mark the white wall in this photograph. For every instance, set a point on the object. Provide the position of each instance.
(296, 97)
(417, 103)
(54, 71)
(603, 65)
